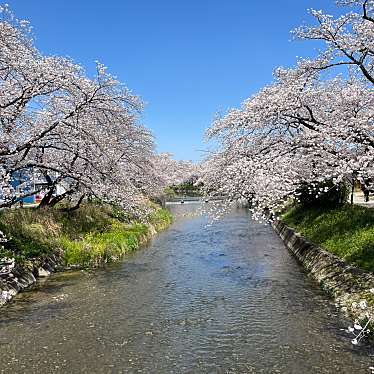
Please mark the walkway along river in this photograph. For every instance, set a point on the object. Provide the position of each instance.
(227, 298)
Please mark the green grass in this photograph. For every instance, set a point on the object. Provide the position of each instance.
(90, 236)
(346, 231)
(159, 218)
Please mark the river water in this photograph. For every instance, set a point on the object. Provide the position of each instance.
(226, 298)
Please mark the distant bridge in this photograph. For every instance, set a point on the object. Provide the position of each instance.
(191, 199)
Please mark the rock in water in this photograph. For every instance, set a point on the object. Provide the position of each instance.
(43, 272)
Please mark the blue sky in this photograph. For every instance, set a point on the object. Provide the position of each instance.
(187, 59)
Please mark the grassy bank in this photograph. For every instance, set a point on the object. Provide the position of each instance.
(346, 231)
(92, 235)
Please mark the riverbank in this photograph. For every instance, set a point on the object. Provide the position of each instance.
(42, 241)
(335, 246)
(346, 231)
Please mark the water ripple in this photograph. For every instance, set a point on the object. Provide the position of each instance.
(221, 299)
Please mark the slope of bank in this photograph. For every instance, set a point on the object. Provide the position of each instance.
(346, 231)
(335, 246)
(39, 241)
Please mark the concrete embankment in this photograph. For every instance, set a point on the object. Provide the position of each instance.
(347, 284)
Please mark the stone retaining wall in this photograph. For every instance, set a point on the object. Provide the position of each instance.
(21, 278)
(345, 283)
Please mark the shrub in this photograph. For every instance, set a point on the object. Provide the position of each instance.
(323, 194)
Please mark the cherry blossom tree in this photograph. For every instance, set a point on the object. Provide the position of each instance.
(78, 134)
(173, 172)
(300, 130)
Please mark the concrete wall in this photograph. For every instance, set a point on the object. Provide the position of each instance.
(345, 283)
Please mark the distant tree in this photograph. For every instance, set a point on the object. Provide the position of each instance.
(174, 172)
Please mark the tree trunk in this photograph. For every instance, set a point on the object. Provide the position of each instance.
(76, 206)
(353, 187)
(46, 199)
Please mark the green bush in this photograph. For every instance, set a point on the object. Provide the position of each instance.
(323, 194)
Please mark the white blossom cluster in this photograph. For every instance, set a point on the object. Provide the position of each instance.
(359, 329)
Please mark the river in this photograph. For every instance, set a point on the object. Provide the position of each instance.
(225, 298)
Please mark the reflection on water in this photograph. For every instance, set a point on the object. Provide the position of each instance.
(226, 298)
